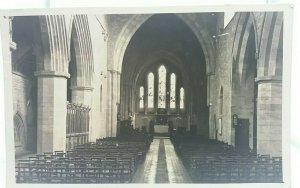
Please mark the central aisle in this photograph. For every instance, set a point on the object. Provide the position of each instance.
(161, 165)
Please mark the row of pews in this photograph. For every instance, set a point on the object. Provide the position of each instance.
(210, 161)
(108, 160)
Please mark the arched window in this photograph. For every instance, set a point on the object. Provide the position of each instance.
(221, 101)
(162, 73)
(181, 105)
(141, 97)
(173, 91)
(150, 90)
(19, 135)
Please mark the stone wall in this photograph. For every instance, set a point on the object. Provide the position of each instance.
(25, 107)
(222, 78)
(99, 85)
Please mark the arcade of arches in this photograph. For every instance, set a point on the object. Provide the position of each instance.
(223, 82)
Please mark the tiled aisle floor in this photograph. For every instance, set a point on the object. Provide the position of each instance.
(161, 165)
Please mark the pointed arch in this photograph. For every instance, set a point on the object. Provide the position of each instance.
(141, 98)
(150, 83)
(136, 21)
(83, 57)
(182, 98)
(173, 91)
(19, 131)
(162, 88)
(55, 44)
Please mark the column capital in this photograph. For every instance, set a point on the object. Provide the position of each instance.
(114, 71)
(52, 74)
(268, 79)
(210, 74)
(81, 88)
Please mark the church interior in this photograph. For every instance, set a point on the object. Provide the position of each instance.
(147, 98)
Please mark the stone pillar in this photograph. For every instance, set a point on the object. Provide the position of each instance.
(113, 96)
(52, 110)
(82, 95)
(212, 128)
(269, 118)
(115, 100)
(109, 104)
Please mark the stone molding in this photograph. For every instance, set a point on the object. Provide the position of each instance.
(82, 88)
(51, 74)
(268, 79)
(114, 71)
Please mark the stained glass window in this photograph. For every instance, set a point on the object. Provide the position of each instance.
(162, 73)
(173, 91)
(150, 90)
(141, 97)
(181, 106)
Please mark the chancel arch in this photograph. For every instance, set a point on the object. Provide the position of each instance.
(132, 25)
(181, 57)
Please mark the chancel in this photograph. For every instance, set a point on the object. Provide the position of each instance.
(147, 98)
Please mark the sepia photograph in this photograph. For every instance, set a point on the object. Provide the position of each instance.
(161, 97)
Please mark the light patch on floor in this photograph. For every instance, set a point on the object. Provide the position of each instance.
(176, 171)
(147, 171)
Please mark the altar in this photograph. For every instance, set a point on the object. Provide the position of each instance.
(161, 129)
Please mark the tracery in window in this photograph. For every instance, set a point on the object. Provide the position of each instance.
(150, 90)
(141, 97)
(181, 105)
(173, 91)
(162, 73)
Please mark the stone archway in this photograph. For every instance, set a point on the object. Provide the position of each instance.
(184, 58)
(257, 74)
(81, 66)
(19, 132)
(132, 25)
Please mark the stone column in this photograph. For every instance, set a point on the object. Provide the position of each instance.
(114, 101)
(52, 110)
(212, 130)
(269, 119)
(113, 98)
(82, 95)
(109, 104)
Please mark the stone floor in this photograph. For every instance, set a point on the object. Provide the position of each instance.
(161, 165)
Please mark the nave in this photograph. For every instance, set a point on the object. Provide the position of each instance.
(142, 160)
(79, 82)
(85, 164)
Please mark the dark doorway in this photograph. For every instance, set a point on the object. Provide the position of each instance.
(242, 135)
